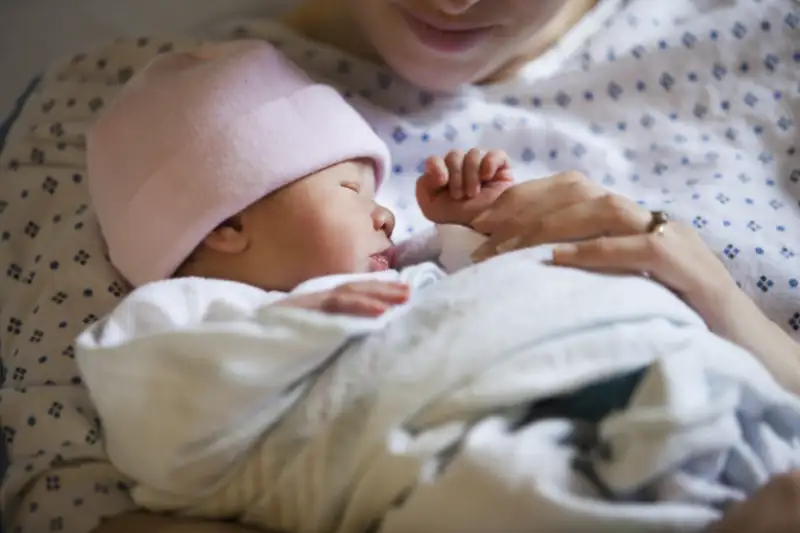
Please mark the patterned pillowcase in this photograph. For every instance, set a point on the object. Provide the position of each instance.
(5, 125)
(55, 278)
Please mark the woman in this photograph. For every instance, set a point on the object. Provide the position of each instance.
(684, 106)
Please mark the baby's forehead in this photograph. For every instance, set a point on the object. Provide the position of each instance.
(368, 172)
(365, 168)
(361, 171)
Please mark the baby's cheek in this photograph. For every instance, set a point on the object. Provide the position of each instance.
(336, 255)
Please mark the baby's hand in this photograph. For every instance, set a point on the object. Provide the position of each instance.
(457, 188)
(360, 298)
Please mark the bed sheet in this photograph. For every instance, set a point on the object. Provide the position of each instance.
(37, 33)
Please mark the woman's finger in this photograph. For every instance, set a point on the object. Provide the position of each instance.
(455, 163)
(471, 173)
(650, 253)
(679, 260)
(511, 228)
(533, 199)
(607, 215)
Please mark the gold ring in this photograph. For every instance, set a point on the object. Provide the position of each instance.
(658, 222)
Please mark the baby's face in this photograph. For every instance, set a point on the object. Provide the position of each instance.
(326, 223)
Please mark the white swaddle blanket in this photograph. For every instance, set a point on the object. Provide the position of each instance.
(458, 412)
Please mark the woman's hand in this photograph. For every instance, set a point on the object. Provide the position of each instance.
(361, 298)
(774, 508)
(598, 230)
(458, 187)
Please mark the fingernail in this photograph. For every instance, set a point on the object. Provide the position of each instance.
(565, 250)
(508, 245)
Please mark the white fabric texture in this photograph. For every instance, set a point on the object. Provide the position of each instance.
(690, 105)
(219, 404)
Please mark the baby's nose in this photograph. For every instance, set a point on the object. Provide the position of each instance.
(383, 220)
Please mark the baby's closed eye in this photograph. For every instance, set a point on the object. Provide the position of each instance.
(352, 185)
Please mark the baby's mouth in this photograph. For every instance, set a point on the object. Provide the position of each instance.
(382, 261)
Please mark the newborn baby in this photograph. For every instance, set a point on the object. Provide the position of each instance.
(256, 175)
(281, 362)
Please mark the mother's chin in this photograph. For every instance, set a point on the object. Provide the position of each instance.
(430, 57)
(439, 45)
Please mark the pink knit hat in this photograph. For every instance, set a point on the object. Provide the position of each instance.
(194, 139)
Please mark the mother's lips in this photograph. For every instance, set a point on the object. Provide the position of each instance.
(444, 36)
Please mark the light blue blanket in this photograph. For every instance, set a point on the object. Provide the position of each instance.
(510, 396)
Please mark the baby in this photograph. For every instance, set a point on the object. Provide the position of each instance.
(229, 163)
(238, 198)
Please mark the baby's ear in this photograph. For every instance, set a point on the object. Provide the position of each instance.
(228, 237)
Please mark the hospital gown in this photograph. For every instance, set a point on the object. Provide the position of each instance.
(686, 105)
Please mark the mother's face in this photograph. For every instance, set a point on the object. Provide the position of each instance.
(440, 44)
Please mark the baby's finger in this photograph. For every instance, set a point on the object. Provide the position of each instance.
(353, 303)
(365, 298)
(385, 291)
(494, 166)
(388, 291)
(504, 174)
(436, 175)
(455, 163)
(471, 173)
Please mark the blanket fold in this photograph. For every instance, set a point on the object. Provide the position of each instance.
(511, 396)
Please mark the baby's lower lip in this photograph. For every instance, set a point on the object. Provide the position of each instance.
(379, 262)
(448, 41)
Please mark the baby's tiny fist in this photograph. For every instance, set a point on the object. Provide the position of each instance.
(457, 188)
(436, 176)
